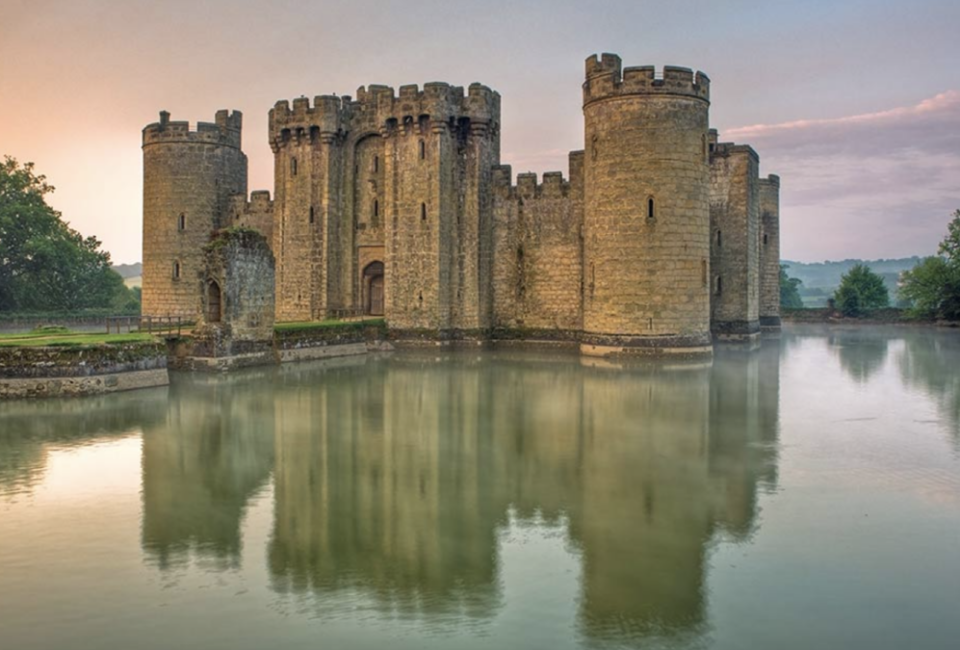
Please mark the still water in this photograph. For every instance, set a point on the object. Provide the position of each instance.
(803, 496)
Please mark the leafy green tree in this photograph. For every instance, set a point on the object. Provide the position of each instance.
(44, 264)
(950, 246)
(933, 286)
(861, 291)
(789, 290)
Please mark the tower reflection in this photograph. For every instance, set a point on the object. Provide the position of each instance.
(395, 477)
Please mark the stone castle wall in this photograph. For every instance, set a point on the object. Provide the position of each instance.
(538, 252)
(770, 253)
(646, 208)
(401, 195)
(188, 177)
(734, 240)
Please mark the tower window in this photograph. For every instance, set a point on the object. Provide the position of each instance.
(423, 212)
(719, 239)
(376, 208)
(311, 214)
(764, 239)
(376, 164)
(293, 166)
(719, 285)
(176, 269)
(423, 150)
(650, 212)
(182, 222)
(703, 272)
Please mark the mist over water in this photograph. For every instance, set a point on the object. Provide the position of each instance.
(804, 495)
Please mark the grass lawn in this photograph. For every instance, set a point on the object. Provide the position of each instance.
(62, 337)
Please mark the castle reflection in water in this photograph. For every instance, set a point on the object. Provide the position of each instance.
(395, 476)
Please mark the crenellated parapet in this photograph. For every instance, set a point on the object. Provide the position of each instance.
(772, 181)
(380, 109)
(722, 149)
(327, 117)
(606, 79)
(259, 203)
(224, 131)
(528, 187)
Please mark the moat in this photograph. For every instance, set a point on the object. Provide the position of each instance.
(803, 495)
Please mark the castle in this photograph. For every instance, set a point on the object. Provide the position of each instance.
(661, 240)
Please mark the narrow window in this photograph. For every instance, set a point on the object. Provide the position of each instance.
(423, 150)
(293, 166)
(311, 214)
(719, 285)
(376, 164)
(703, 272)
(719, 239)
(182, 222)
(423, 212)
(764, 239)
(176, 269)
(376, 208)
(650, 214)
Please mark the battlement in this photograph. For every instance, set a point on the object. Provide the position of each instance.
(259, 203)
(326, 117)
(724, 149)
(606, 78)
(528, 187)
(382, 108)
(224, 131)
(439, 102)
(772, 180)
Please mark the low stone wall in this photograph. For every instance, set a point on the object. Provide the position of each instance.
(83, 370)
(295, 338)
(290, 343)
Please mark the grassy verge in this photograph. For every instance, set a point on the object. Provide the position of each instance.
(70, 339)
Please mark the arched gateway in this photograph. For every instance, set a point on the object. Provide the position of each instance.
(373, 289)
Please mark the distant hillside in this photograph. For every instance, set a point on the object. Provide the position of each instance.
(821, 279)
(129, 270)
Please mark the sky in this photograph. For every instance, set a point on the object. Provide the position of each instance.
(855, 104)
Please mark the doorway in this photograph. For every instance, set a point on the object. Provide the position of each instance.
(373, 289)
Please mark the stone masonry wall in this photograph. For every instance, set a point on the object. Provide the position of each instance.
(538, 265)
(239, 277)
(645, 270)
(257, 213)
(188, 177)
(734, 240)
(770, 253)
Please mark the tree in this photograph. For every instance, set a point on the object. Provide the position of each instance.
(44, 264)
(950, 246)
(861, 291)
(789, 290)
(933, 286)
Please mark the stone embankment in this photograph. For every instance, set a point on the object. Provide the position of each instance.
(64, 371)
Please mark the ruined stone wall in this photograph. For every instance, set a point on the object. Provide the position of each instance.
(770, 253)
(646, 209)
(188, 178)
(735, 241)
(238, 275)
(538, 254)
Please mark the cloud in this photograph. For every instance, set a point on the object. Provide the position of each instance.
(879, 184)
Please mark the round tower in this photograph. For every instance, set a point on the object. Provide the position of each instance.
(646, 231)
(188, 177)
